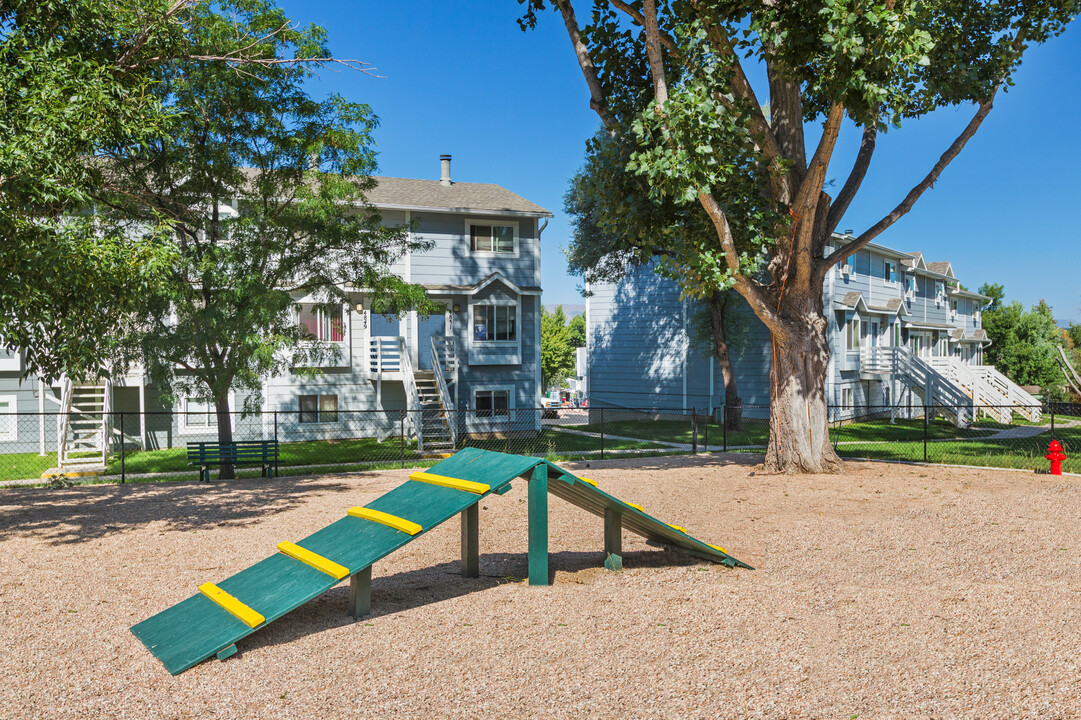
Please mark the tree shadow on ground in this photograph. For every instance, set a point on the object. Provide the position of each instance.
(87, 513)
(425, 586)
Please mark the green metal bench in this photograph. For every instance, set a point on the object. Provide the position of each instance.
(242, 452)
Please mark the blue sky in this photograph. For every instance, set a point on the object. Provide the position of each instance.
(512, 109)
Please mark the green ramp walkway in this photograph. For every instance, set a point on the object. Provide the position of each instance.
(213, 620)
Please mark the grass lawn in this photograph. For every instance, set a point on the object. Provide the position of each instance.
(902, 430)
(1024, 453)
(554, 443)
(755, 431)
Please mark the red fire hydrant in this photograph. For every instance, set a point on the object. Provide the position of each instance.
(1056, 456)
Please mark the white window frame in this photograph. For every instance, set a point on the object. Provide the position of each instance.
(345, 322)
(11, 434)
(208, 429)
(853, 328)
(493, 419)
(497, 302)
(513, 224)
(319, 422)
(889, 272)
(848, 401)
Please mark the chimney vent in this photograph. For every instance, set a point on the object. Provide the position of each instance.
(444, 176)
(848, 232)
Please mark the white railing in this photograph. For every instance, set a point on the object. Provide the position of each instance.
(1029, 407)
(445, 351)
(385, 354)
(83, 428)
(918, 374)
(441, 383)
(984, 397)
(412, 394)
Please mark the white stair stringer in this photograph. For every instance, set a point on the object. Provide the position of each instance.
(83, 425)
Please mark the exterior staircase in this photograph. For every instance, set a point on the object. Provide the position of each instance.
(957, 390)
(436, 429)
(83, 426)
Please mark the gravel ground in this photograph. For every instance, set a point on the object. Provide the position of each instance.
(889, 592)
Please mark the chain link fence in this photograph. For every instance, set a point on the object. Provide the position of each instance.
(154, 446)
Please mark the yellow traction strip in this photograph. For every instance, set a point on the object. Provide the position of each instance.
(637, 507)
(677, 527)
(456, 483)
(718, 549)
(242, 612)
(588, 481)
(318, 562)
(406, 526)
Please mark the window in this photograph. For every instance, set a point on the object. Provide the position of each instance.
(953, 305)
(9, 429)
(910, 284)
(318, 409)
(890, 271)
(846, 398)
(492, 403)
(199, 413)
(491, 238)
(852, 333)
(319, 324)
(939, 289)
(495, 323)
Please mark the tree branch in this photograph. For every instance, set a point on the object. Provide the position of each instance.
(855, 177)
(638, 18)
(144, 36)
(653, 51)
(597, 100)
(947, 157)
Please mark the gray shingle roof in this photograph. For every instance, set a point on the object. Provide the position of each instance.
(473, 197)
(939, 267)
(851, 299)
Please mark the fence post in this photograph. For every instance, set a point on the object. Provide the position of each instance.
(1051, 407)
(694, 431)
(401, 430)
(724, 427)
(705, 440)
(123, 467)
(275, 429)
(925, 413)
(602, 433)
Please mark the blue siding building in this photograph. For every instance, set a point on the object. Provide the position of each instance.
(902, 335)
(467, 369)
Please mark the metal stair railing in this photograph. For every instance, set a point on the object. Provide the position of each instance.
(445, 400)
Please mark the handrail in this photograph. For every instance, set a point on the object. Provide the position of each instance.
(444, 393)
(412, 394)
(385, 353)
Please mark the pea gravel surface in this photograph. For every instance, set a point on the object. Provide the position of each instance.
(888, 592)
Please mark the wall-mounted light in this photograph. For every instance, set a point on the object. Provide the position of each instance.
(359, 307)
(457, 307)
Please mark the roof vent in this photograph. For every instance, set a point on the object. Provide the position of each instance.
(444, 176)
(848, 232)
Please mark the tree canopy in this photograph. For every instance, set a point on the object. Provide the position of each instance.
(557, 349)
(1023, 342)
(688, 130)
(75, 78)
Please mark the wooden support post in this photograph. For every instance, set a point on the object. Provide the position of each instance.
(360, 593)
(538, 526)
(613, 539)
(227, 652)
(471, 541)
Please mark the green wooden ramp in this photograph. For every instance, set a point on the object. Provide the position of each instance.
(213, 620)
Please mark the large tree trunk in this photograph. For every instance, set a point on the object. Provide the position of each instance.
(225, 433)
(733, 404)
(799, 432)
